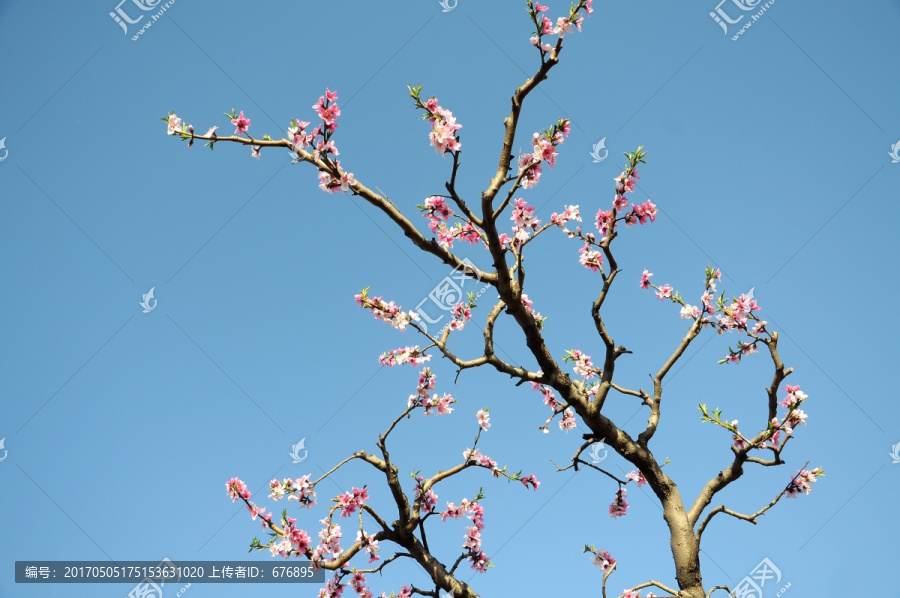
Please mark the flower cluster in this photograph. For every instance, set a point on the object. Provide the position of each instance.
(619, 506)
(462, 313)
(411, 355)
(387, 312)
(438, 213)
(524, 222)
(729, 317)
(424, 398)
(590, 254)
(358, 583)
(801, 482)
(237, 489)
(300, 490)
(637, 476)
(567, 421)
(582, 365)
(428, 498)
(443, 124)
(794, 416)
(538, 318)
(350, 501)
(328, 110)
(294, 541)
(369, 543)
(570, 213)
(554, 405)
(475, 456)
(772, 439)
(543, 147)
(530, 479)
(640, 213)
(484, 419)
(601, 558)
(332, 184)
(472, 544)
(329, 541)
(333, 587)
(544, 26)
(590, 258)
(242, 123)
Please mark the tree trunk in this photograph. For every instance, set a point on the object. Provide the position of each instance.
(685, 548)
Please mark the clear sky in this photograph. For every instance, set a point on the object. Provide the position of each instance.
(768, 156)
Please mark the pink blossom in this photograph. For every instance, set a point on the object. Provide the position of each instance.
(536, 315)
(619, 506)
(543, 47)
(590, 258)
(327, 110)
(444, 127)
(461, 313)
(532, 169)
(664, 292)
(624, 184)
(582, 363)
(794, 397)
(797, 418)
(173, 124)
(802, 482)
(437, 210)
(638, 477)
(539, 8)
(237, 489)
(387, 312)
(241, 122)
(428, 498)
(544, 150)
(546, 26)
(603, 560)
(689, 311)
(603, 222)
(571, 213)
(567, 422)
(411, 355)
(530, 479)
(300, 490)
(484, 419)
(350, 501)
(563, 26)
(645, 279)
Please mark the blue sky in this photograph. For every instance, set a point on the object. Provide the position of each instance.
(767, 156)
